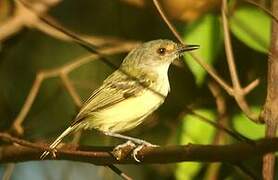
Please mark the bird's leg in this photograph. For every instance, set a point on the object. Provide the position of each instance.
(140, 142)
(133, 139)
(46, 153)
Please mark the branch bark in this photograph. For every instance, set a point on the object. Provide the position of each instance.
(270, 111)
(233, 153)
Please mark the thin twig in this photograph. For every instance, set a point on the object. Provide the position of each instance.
(17, 123)
(251, 86)
(8, 171)
(10, 27)
(221, 110)
(97, 40)
(221, 127)
(21, 18)
(238, 92)
(163, 16)
(71, 89)
(213, 170)
(119, 172)
(229, 49)
(212, 72)
(246, 170)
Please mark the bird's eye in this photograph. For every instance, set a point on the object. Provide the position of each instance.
(161, 51)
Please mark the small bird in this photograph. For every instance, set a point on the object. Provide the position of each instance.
(129, 94)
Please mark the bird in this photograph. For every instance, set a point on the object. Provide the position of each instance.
(130, 94)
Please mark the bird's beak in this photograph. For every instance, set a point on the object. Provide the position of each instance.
(182, 48)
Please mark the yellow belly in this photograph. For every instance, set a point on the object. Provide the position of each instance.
(126, 114)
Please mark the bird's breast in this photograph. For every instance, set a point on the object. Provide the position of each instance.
(129, 113)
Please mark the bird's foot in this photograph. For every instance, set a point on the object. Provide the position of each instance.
(121, 151)
(139, 148)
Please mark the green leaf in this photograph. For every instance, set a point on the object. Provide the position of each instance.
(207, 33)
(252, 26)
(247, 127)
(193, 130)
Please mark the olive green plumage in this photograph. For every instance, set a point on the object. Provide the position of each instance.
(131, 93)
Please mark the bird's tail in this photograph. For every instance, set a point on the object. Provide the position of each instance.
(58, 141)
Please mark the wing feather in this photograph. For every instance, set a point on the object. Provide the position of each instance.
(116, 88)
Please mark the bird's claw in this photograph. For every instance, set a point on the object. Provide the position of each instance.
(139, 148)
(120, 151)
(53, 153)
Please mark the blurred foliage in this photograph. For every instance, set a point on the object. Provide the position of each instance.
(30, 51)
(248, 128)
(252, 26)
(206, 32)
(189, 132)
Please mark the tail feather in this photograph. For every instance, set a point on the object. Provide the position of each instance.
(58, 141)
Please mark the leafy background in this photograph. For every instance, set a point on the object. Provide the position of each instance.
(29, 51)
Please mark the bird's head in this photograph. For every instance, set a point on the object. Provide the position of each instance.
(155, 54)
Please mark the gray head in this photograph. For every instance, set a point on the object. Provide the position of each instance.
(154, 54)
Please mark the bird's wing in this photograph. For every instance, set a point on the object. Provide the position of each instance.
(116, 88)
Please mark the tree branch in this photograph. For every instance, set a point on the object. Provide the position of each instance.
(27, 151)
(238, 91)
(270, 111)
